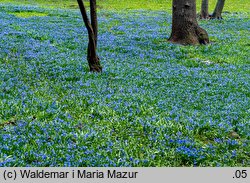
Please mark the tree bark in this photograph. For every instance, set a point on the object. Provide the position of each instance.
(93, 15)
(218, 10)
(204, 10)
(185, 28)
(93, 59)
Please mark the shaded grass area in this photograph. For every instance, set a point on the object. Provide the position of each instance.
(155, 104)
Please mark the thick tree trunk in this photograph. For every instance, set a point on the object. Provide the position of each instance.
(93, 59)
(185, 28)
(218, 10)
(204, 10)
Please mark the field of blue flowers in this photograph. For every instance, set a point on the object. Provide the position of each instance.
(155, 104)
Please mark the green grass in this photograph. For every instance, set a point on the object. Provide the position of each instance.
(27, 14)
(231, 6)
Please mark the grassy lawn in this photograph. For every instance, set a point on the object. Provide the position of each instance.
(231, 6)
(155, 104)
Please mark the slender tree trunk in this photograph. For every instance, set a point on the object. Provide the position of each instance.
(94, 18)
(93, 59)
(218, 10)
(204, 10)
(185, 28)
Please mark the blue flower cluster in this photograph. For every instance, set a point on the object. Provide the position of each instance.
(155, 104)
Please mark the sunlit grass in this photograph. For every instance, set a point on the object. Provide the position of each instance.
(29, 14)
(231, 6)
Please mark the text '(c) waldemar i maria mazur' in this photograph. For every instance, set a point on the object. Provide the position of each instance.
(79, 174)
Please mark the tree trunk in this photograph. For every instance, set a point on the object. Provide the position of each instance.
(218, 10)
(93, 59)
(204, 10)
(94, 18)
(185, 28)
